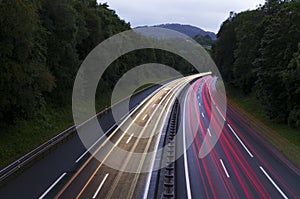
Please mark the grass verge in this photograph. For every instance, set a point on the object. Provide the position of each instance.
(283, 137)
(25, 136)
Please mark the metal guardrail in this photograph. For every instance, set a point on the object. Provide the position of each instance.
(24, 160)
(169, 171)
(37, 152)
(32, 155)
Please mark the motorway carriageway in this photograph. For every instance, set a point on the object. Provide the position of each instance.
(226, 158)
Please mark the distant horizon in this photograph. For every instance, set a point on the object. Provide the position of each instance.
(208, 15)
(174, 23)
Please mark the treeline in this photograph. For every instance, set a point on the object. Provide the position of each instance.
(259, 51)
(204, 40)
(42, 44)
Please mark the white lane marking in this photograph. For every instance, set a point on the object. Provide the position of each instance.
(237, 137)
(224, 168)
(209, 132)
(153, 105)
(129, 139)
(202, 115)
(107, 155)
(100, 186)
(156, 149)
(272, 181)
(94, 144)
(220, 113)
(145, 117)
(53, 185)
(199, 104)
(187, 178)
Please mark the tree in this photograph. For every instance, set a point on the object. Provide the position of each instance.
(291, 80)
(24, 76)
(278, 45)
(223, 49)
(259, 49)
(204, 40)
(60, 20)
(248, 35)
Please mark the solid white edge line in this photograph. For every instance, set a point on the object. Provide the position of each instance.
(222, 163)
(238, 138)
(271, 180)
(100, 186)
(129, 139)
(209, 132)
(94, 144)
(153, 159)
(53, 185)
(103, 135)
(187, 177)
(124, 116)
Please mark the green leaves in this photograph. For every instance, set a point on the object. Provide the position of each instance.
(41, 46)
(24, 75)
(291, 80)
(278, 45)
(259, 49)
(204, 40)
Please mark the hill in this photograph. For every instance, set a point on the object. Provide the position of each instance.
(189, 30)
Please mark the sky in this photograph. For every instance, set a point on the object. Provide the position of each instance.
(207, 15)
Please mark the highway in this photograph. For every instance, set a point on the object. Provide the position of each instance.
(240, 165)
(39, 177)
(219, 154)
(101, 181)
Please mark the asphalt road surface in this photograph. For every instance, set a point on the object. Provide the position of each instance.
(219, 154)
(240, 165)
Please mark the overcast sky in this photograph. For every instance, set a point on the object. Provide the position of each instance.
(207, 15)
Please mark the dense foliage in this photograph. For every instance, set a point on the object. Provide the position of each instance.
(259, 51)
(42, 44)
(204, 40)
